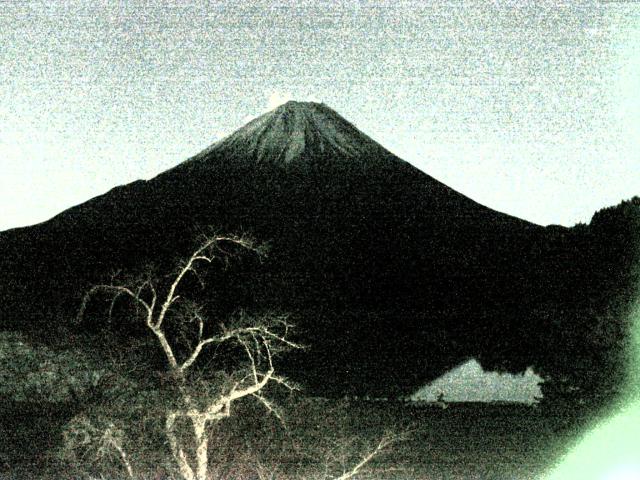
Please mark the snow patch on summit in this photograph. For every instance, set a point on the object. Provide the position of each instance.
(297, 130)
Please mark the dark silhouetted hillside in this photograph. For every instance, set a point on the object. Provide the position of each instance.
(392, 276)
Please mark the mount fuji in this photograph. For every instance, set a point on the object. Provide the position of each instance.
(391, 276)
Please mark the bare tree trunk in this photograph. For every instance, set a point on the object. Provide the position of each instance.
(178, 453)
(199, 422)
(202, 446)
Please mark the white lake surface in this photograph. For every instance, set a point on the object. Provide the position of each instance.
(469, 382)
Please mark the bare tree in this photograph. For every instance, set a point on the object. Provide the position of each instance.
(260, 339)
(185, 335)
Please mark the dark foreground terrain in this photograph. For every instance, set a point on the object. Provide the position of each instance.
(463, 441)
(390, 278)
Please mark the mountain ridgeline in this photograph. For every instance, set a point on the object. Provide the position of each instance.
(391, 276)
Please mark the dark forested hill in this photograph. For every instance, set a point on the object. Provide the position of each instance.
(391, 276)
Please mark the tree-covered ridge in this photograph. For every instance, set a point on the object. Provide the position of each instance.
(39, 374)
(593, 328)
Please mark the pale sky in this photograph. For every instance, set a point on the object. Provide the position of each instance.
(531, 108)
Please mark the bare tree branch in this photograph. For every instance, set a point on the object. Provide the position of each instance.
(270, 407)
(117, 290)
(196, 352)
(384, 442)
(261, 338)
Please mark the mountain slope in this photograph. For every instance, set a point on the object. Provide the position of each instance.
(392, 276)
(295, 130)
